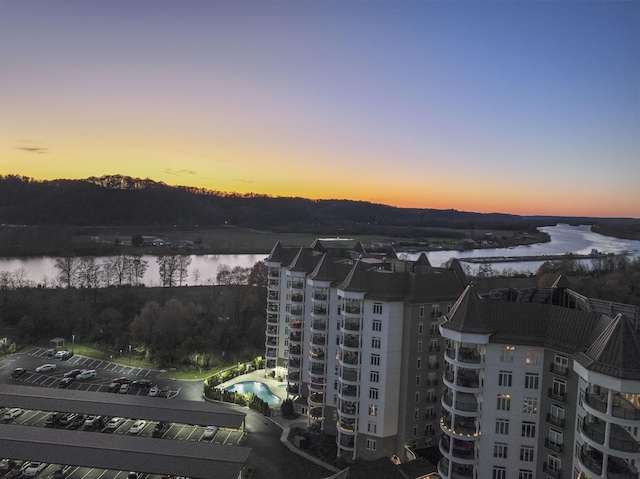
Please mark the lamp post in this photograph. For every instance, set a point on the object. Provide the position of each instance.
(129, 355)
(73, 342)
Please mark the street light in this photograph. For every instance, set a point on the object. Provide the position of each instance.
(129, 355)
(73, 342)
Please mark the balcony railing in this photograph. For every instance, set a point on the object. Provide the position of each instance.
(551, 470)
(560, 369)
(352, 325)
(319, 339)
(467, 406)
(433, 366)
(319, 310)
(349, 391)
(296, 311)
(621, 408)
(352, 310)
(432, 382)
(549, 444)
(297, 298)
(295, 324)
(349, 375)
(434, 348)
(297, 284)
(320, 296)
(294, 363)
(319, 325)
(555, 420)
(317, 369)
(351, 342)
(619, 437)
(557, 394)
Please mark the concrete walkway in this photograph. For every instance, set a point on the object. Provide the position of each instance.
(276, 418)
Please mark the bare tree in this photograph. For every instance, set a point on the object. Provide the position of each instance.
(89, 272)
(183, 263)
(67, 268)
(168, 269)
(137, 269)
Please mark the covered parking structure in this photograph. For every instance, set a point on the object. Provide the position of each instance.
(120, 452)
(139, 407)
(125, 453)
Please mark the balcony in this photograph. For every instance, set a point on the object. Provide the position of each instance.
(319, 339)
(271, 364)
(350, 341)
(619, 437)
(272, 330)
(271, 342)
(319, 310)
(272, 318)
(549, 444)
(468, 379)
(297, 298)
(352, 309)
(617, 468)
(557, 394)
(317, 354)
(317, 369)
(555, 420)
(294, 375)
(432, 382)
(295, 336)
(320, 295)
(351, 358)
(352, 325)
(293, 389)
(296, 311)
(297, 284)
(349, 391)
(433, 366)
(294, 349)
(272, 353)
(464, 402)
(458, 471)
(460, 450)
(273, 295)
(350, 375)
(316, 399)
(550, 469)
(346, 442)
(621, 409)
(319, 325)
(434, 348)
(560, 369)
(273, 307)
(347, 425)
(295, 324)
(349, 408)
(316, 413)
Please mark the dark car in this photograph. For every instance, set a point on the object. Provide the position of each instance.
(113, 388)
(164, 392)
(122, 380)
(18, 372)
(160, 429)
(64, 382)
(54, 419)
(77, 422)
(73, 373)
(142, 383)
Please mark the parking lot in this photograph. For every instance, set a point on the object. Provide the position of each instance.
(107, 372)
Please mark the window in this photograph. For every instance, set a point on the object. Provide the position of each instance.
(559, 389)
(506, 354)
(372, 427)
(504, 402)
(502, 426)
(528, 429)
(338, 340)
(421, 314)
(434, 327)
(435, 310)
(373, 410)
(375, 360)
(525, 474)
(377, 325)
(371, 444)
(377, 308)
(531, 381)
(415, 430)
(561, 364)
(417, 380)
(418, 362)
(505, 378)
(557, 414)
(500, 450)
(374, 376)
(416, 413)
(526, 453)
(417, 397)
(555, 438)
(499, 473)
(554, 463)
(533, 356)
(420, 327)
(530, 405)
(373, 393)
(428, 430)
(375, 342)
(419, 345)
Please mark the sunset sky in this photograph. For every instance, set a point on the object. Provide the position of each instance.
(488, 106)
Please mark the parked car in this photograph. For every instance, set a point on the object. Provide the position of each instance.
(114, 423)
(137, 426)
(6, 465)
(34, 468)
(78, 421)
(124, 388)
(17, 372)
(54, 419)
(50, 353)
(64, 382)
(15, 470)
(61, 472)
(209, 432)
(91, 422)
(12, 413)
(113, 388)
(67, 418)
(122, 380)
(73, 373)
(164, 392)
(86, 374)
(63, 355)
(45, 367)
(153, 392)
(142, 383)
(161, 428)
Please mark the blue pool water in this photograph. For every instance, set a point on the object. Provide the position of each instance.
(254, 387)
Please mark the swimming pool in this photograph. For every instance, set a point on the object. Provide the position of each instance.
(255, 387)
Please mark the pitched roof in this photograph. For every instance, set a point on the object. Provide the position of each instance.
(356, 280)
(616, 351)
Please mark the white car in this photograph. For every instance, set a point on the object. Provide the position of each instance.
(45, 367)
(137, 426)
(209, 432)
(12, 413)
(153, 392)
(34, 468)
(86, 374)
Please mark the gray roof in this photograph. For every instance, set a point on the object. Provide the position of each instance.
(202, 413)
(202, 460)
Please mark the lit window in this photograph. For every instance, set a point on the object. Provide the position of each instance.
(506, 354)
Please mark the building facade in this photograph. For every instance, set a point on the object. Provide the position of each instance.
(540, 386)
(354, 334)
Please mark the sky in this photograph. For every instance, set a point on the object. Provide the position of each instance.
(522, 107)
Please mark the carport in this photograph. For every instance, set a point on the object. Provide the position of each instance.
(140, 407)
(56, 342)
(125, 453)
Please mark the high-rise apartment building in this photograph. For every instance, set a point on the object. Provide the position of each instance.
(355, 336)
(392, 355)
(539, 385)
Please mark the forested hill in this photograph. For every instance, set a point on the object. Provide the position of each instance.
(122, 201)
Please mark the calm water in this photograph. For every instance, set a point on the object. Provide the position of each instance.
(564, 239)
(254, 387)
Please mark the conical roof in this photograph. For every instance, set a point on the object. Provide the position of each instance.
(356, 280)
(467, 315)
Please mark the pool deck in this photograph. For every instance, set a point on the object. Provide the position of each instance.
(285, 424)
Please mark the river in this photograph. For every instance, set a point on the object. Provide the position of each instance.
(564, 239)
